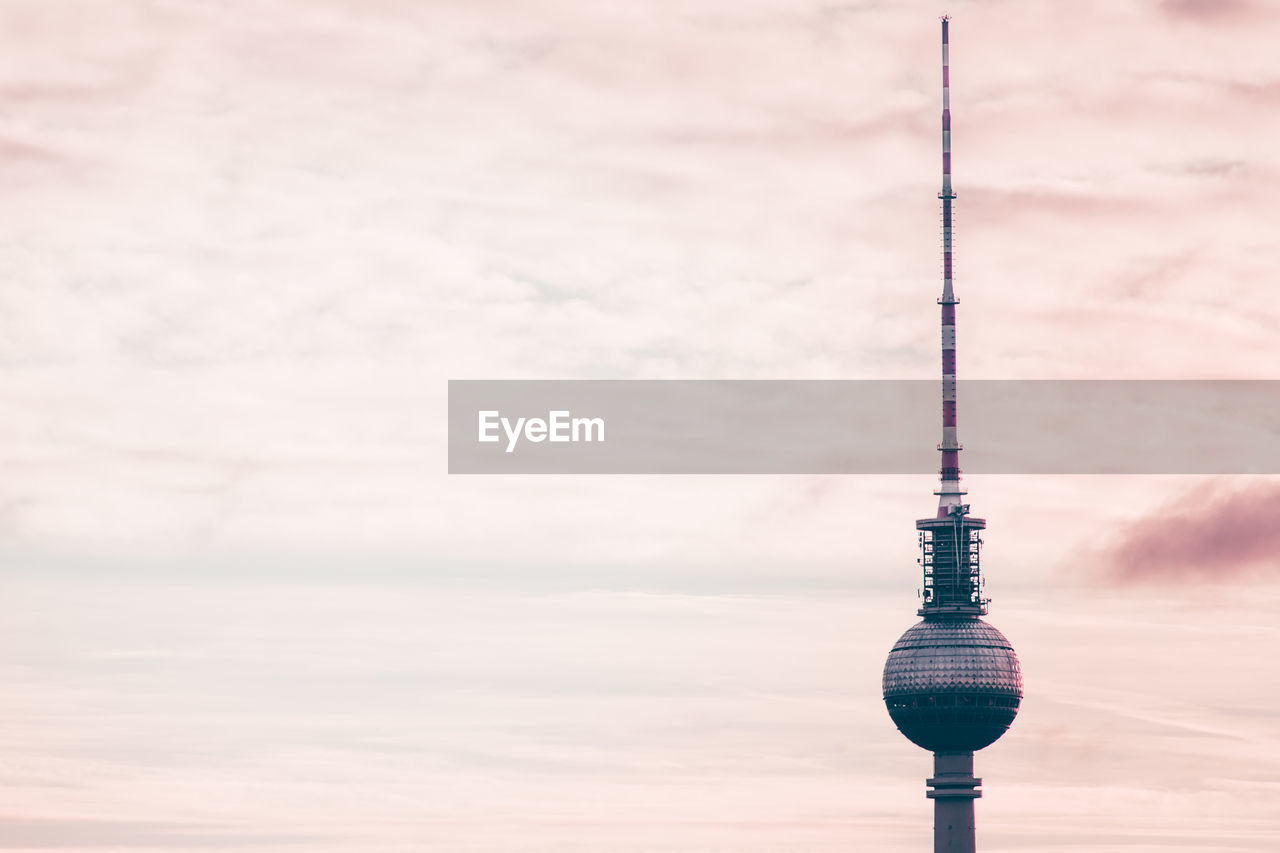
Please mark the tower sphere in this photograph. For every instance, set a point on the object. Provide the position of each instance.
(952, 685)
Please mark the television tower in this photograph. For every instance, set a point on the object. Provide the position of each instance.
(952, 683)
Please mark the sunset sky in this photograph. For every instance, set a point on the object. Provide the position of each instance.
(243, 247)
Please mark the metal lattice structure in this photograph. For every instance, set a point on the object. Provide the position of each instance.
(950, 557)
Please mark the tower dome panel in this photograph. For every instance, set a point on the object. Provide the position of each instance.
(952, 685)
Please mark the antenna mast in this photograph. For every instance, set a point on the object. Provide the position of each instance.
(950, 542)
(949, 492)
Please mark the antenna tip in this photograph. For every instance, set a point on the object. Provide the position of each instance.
(944, 17)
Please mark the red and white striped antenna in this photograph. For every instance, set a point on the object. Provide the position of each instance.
(949, 492)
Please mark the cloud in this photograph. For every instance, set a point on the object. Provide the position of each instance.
(1215, 537)
(1207, 10)
(84, 834)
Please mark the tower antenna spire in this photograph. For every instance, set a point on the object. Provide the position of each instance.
(949, 491)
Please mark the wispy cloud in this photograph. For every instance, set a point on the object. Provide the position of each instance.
(1210, 11)
(1210, 534)
(34, 833)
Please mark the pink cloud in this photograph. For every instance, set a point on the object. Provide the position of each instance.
(1222, 536)
(1210, 10)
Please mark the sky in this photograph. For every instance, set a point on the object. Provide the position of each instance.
(244, 246)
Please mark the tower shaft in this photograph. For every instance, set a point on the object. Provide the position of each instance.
(953, 789)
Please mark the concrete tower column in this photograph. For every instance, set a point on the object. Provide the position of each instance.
(953, 789)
